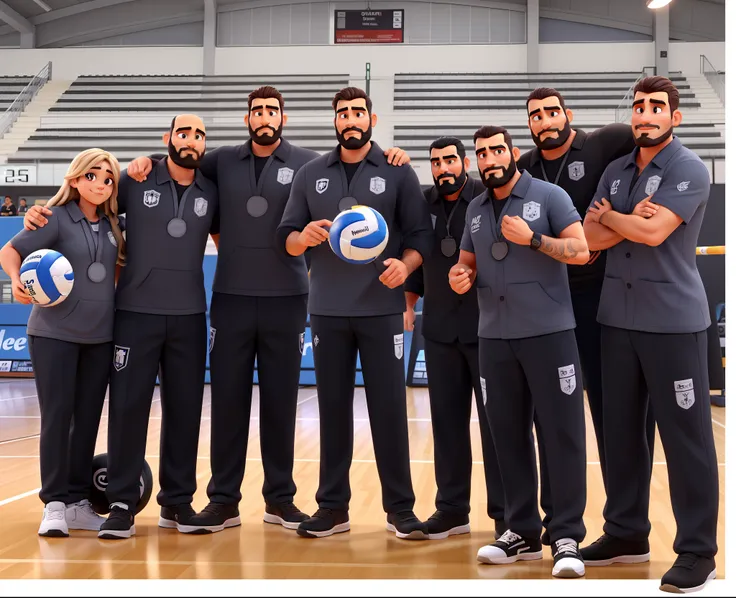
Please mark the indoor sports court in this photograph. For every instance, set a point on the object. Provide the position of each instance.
(400, 296)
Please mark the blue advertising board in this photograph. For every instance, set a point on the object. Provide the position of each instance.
(15, 358)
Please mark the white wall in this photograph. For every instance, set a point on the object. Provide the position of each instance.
(385, 60)
(68, 63)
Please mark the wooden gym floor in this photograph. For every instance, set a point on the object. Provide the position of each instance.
(259, 550)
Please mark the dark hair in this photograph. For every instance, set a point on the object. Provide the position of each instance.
(265, 92)
(655, 84)
(443, 142)
(352, 93)
(545, 92)
(491, 130)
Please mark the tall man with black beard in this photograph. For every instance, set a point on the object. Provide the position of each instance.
(450, 332)
(648, 211)
(258, 311)
(575, 160)
(518, 237)
(359, 308)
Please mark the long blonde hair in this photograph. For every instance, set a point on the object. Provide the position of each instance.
(79, 166)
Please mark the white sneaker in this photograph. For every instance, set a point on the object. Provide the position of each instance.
(81, 515)
(53, 524)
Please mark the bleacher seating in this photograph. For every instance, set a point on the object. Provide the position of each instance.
(508, 91)
(703, 139)
(10, 87)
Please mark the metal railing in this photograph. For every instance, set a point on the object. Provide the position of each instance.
(623, 110)
(716, 78)
(7, 120)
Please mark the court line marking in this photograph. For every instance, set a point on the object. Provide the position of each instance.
(18, 398)
(20, 439)
(718, 423)
(309, 398)
(19, 496)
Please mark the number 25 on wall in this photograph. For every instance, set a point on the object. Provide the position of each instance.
(17, 175)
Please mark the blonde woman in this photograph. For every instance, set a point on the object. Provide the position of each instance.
(71, 343)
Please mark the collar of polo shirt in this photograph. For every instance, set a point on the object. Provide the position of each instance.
(662, 157)
(577, 144)
(519, 191)
(282, 152)
(76, 213)
(375, 155)
(163, 175)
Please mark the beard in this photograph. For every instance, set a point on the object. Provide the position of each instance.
(445, 187)
(190, 162)
(644, 140)
(493, 182)
(263, 139)
(353, 143)
(550, 143)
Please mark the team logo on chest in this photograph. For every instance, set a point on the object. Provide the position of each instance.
(614, 186)
(576, 171)
(112, 238)
(531, 211)
(120, 357)
(200, 206)
(285, 175)
(652, 184)
(150, 198)
(568, 383)
(322, 185)
(399, 345)
(475, 224)
(685, 393)
(378, 185)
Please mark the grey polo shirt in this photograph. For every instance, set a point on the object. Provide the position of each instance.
(86, 315)
(318, 192)
(657, 289)
(163, 274)
(249, 261)
(527, 293)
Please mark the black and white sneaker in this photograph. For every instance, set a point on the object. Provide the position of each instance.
(215, 517)
(690, 573)
(172, 516)
(568, 560)
(120, 523)
(323, 523)
(284, 514)
(608, 550)
(443, 524)
(509, 548)
(407, 526)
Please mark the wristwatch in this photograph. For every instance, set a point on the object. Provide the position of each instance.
(536, 241)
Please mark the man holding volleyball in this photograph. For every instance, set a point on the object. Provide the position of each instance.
(358, 307)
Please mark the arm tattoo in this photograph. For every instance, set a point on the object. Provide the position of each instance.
(562, 250)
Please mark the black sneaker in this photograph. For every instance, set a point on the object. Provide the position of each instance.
(568, 560)
(406, 525)
(443, 524)
(324, 522)
(120, 524)
(215, 517)
(500, 529)
(285, 514)
(509, 548)
(690, 573)
(608, 550)
(170, 517)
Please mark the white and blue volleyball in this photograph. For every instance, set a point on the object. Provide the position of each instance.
(48, 277)
(358, 235)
